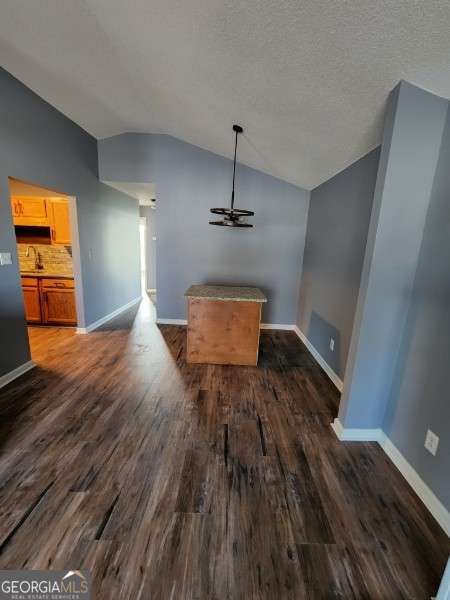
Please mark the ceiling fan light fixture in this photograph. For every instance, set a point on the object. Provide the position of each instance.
(233, 217)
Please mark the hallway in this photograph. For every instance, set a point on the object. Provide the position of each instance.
(169, 480)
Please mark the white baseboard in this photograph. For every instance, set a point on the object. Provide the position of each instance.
(15, 373)
(432, 503)
(280, 326)
(325, 366)
(171, 321)
(107, 318)
(356, 435)
(263, 325)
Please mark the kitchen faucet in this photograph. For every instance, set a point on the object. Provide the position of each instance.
(37, 258)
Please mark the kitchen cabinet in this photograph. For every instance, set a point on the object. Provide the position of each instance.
(44, 212)
(59, 221)
(58, 301)
(58, 307)
(223, 324)
(31, 298)
(30, 211)
(49, 300)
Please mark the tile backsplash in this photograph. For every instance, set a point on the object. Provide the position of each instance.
(57, 260)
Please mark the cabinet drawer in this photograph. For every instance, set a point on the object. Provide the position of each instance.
(58, 283)
(29, 281)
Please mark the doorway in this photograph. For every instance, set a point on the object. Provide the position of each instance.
(44, 232)
(142, 253)
(147, 222)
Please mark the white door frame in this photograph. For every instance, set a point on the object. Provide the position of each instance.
(143, 254)
(76, 261)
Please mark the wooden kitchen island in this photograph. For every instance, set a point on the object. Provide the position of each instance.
(223, 324)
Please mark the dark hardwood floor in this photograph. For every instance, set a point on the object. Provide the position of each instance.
(177, 481)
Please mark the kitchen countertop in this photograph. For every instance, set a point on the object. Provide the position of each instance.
(225, 292)
(45, 274)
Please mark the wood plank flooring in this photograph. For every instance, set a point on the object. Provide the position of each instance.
(177, 481)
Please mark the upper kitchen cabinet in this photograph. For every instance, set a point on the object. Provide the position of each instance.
(30, 211)
(59, 221)
(35, 212)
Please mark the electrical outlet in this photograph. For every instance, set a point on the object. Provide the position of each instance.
(431, 442)
(331, 344)
(5, 258)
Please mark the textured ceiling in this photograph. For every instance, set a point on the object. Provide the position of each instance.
(307, 79)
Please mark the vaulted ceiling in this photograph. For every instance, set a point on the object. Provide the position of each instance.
(308, 79)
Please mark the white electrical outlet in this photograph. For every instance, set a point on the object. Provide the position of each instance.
(5, 258)
(431, 442)
(331, 344)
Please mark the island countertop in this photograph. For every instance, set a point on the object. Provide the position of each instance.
(226, 293)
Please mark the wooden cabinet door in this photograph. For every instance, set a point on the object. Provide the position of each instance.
(60, 221)
(29, 211)
(58, 306)
(32, 304)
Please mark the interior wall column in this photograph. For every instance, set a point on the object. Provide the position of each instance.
(412, 137)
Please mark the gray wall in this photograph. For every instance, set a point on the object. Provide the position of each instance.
(410, 149)
(419, 397)
(39, 145)
(189, 181)
(130, 157)
(397, 367)
(338, 221)
(150, 252)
